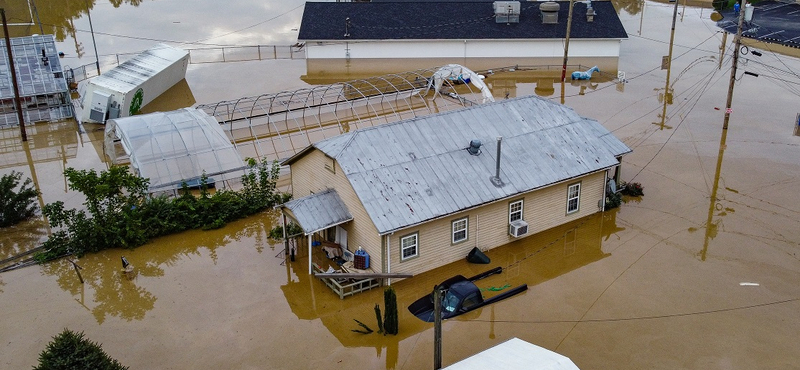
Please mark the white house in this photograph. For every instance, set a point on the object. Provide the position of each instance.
(478, 34)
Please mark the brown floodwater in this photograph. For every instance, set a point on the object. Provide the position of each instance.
(700, 272)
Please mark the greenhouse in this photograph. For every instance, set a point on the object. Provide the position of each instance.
(174, 147)
(276, 126)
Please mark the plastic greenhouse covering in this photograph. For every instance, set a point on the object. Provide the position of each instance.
(172, 147)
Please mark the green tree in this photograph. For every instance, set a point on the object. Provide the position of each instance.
(16, 205)
(390, 320)
(71, 351)
(114, 219)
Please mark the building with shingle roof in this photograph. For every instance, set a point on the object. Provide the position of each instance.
(461, 30)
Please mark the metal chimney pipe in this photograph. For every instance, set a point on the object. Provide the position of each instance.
(497, 170)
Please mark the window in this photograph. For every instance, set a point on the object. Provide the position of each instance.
(514, 211)
(460, 230)
(330, 164)
(409, 246)
(573, 197)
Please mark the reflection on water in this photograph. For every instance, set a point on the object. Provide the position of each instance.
(533, 260)
(21, 237)
(109, 292)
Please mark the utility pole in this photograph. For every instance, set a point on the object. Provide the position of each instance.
(41, 30)
(737, 44)
(91, 29)
(566, 41)
(437, 328)
(17, 103)
(669, 64)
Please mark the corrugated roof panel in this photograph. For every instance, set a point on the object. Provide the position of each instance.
(543, 143)
(140, 68)
(319, 211)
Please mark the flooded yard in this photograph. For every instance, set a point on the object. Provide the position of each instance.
(700, 272)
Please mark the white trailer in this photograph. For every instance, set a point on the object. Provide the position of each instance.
(124, 90)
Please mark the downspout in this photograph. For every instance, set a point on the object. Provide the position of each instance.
(388, 257)
(605, 187)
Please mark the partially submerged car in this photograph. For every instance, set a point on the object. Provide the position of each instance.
(460, 295)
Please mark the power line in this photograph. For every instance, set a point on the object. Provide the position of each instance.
(636, 318)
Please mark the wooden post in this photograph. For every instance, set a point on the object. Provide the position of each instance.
(17, 103)
(437, 328)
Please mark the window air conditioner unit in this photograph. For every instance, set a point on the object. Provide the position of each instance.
(518, 228)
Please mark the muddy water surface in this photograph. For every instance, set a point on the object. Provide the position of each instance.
(656, 284)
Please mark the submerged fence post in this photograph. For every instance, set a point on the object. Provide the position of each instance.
(77, 270)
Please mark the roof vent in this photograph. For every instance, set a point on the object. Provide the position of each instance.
(506, 11)
(590, 13)
(474, 147)
(549, 12)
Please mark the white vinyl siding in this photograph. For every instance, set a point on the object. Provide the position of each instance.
(460, 229)
(573, 198)
(488, 225)
(409, 246)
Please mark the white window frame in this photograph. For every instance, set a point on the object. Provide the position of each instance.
(576, 197)
(404, 247)
(464, 229)
(511, 211)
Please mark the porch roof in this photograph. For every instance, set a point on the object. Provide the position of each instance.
(319, 211)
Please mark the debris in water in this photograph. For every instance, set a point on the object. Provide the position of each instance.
(749, 284)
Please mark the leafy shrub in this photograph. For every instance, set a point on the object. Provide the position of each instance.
(120, 213)
(16, 206)
(613, 200)
(633, 189)
(291, 229)
(71, 351)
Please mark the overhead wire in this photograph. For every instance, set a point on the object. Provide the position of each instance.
(650, 317)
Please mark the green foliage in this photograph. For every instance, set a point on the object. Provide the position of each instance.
(71, 351)
(379, 318)
(291, 229)
(633, 189)
(120, 213)
(390, 320)
(16, 206)
(613, 200)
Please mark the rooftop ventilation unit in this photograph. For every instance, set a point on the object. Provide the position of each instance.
(518, 228)
(474, 147)
(549, 12)
(506, 11)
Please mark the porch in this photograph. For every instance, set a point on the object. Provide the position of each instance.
(320, 218)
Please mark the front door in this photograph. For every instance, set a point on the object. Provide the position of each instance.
(341, 236)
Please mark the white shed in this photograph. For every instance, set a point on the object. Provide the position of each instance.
(124, 90)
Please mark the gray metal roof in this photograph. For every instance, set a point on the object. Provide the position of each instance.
(408, 172)
(319, 211)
